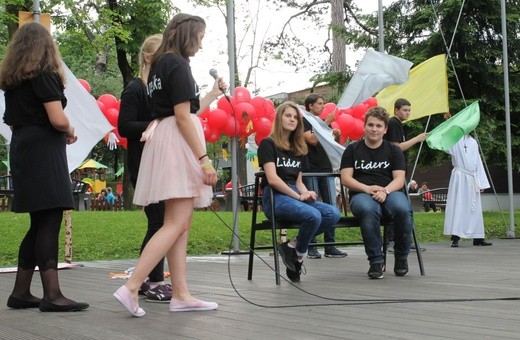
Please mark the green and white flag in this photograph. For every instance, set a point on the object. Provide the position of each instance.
(451, 131)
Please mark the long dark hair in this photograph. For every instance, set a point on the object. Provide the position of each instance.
(31, 51)
(180, 36)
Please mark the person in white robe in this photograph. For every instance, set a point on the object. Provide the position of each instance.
(463, 206)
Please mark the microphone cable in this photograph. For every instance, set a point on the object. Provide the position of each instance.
(333, 301)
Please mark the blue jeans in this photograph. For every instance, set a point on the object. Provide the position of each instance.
(313, 217)
(398, 209)
(325, 187)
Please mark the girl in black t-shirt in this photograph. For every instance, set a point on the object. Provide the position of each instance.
(134, 117)
(33, 80)
(280, 155)
(174, 167)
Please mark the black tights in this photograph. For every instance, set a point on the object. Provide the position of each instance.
(40, 248)
(155, 215)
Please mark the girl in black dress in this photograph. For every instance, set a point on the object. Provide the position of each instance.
(32, 78)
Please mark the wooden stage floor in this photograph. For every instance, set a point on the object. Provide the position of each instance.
(468, 293)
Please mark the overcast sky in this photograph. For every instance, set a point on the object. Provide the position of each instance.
(274, 77)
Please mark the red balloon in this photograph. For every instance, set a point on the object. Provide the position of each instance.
(359, 129)
(262, 126)
(112, 114)
(347, 111)
(346, 124)
(227, 105)
(327, 110)
(359, 110)
(242, 95)
(213, 137)
(371, 102)
(242, 130)
(231, 127)
(85, 84)
(259, 104)
(109, 100)
(217, 118)
(245, 112)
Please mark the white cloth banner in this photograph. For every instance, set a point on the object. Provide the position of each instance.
(324, 133)
(375, 72)
(84, 115)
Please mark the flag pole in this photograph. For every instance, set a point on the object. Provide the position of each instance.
(505, 63)
(230, 21)
(36, 11)
(381, 28)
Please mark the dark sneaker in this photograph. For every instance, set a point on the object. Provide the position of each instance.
(161, 293)
(455, 241)
(375, 271)
(144, 287)
(294, 276)
(288, 255)
(401, 267)
(332, 251)
(313, 253)
(481, 242)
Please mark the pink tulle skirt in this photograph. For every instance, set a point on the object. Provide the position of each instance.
(169, 169)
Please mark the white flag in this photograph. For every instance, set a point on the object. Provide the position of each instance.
(333, 149)
(375, 72)
(84, 115)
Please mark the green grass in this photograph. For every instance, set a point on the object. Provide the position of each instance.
(107, 235)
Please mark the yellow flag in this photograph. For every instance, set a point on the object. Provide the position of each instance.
(28, 17)
(224, 154)
(426, 89)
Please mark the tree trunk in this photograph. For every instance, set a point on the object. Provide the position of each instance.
(339, 63)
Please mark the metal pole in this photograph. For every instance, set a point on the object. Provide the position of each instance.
(36, 11)
(505, 63)
(234, 142)
(380, 24)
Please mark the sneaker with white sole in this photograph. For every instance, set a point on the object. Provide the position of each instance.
(375, 271)
(160, 293)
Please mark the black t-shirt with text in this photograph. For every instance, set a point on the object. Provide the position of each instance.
(373, 166)
(170, 83)
(288, 165)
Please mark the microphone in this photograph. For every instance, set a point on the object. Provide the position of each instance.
(213, 73)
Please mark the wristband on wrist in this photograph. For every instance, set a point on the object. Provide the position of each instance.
(206, 165)
(204, 155)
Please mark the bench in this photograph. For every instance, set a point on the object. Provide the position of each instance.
(277, 225)
(435, 198)
(246, 194)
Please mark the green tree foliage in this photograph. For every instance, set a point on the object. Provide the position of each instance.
(419, 29)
